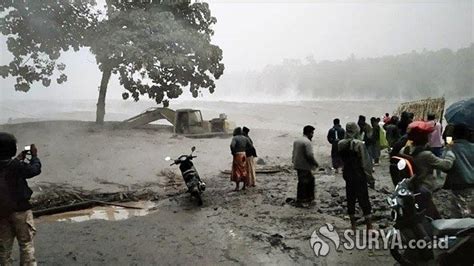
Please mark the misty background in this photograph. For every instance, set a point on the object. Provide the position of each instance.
(303, 50)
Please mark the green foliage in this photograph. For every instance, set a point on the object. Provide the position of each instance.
(159, 50)
(156, 49)
(38, 32)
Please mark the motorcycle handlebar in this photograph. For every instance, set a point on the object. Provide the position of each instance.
(178, 160)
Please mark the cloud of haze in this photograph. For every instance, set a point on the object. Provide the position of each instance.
(254, 34)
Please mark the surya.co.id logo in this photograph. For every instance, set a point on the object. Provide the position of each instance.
(375, 240)
(319, 246)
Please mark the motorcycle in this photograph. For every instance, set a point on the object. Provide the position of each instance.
(190, 175)
(447, 241)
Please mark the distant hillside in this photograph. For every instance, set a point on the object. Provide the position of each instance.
(404, 77)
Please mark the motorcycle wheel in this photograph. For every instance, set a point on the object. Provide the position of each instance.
(399, 256)
(198, 196)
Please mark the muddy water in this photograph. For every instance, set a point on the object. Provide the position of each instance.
(109, 213)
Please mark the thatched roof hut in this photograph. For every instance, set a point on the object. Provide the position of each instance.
(422, 108)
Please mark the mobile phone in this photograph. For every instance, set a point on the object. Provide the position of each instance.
(27, 148)
(449, 140)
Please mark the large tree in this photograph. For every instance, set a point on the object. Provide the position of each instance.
(157, 49)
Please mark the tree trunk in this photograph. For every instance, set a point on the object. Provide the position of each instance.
(106, 73)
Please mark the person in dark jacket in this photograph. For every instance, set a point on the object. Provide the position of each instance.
(460, 178)
(304, 161)
(366, 132)
(357, 173)
(424, 182)
(335, 134)
(374, 147)
(238, 147)
(405, 119)
(19, 223)
(392, 132)
(461, 175)
(251, 154)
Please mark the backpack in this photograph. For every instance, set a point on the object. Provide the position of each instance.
(352, 162)
(7, 200)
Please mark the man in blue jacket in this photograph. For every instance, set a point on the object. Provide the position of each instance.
(16, 217)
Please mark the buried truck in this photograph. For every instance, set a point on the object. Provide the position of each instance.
(186, 122)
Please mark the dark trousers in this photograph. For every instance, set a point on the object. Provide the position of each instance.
(336, 158)
(374, 152)
(305, 190)
(357, 191)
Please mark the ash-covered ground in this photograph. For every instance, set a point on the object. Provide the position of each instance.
(255, 226)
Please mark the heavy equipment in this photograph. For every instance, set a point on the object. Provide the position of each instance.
(187, 122)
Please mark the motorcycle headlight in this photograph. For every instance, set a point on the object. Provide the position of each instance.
(403, 192)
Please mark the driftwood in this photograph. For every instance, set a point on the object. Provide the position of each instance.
(79, 206)
(57, 199)
(265, 170)
(422, 108)
(65, 208)
(117, 205)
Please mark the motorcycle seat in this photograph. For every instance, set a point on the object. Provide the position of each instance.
(451, 226)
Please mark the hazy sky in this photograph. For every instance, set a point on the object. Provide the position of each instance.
(256, 33)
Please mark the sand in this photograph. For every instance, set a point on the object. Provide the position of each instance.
(250, 227)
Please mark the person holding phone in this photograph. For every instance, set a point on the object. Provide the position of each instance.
(16, 217)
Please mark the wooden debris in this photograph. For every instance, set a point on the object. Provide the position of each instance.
(261, 170)
(422, 108)
(57, 199)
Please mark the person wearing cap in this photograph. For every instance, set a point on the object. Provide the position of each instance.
(424, 182)
(357, 173)
(304, 162)
(17, 223)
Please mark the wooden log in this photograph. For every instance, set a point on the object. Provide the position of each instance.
(117, 205)
(65, 208)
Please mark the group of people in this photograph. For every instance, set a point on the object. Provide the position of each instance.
(373, 136)
(244, 154)
(357, 149)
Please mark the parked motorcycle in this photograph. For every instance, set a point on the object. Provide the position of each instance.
(190, 175)
(450, 241)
